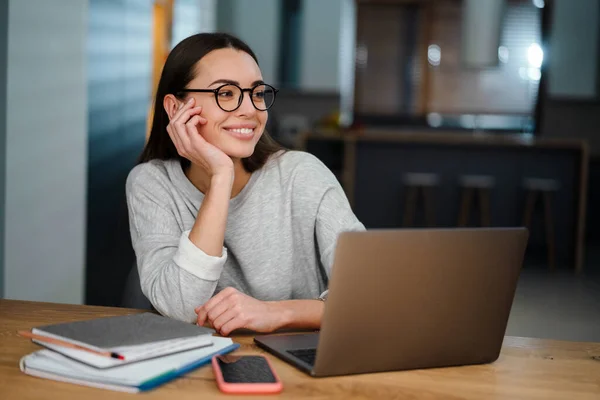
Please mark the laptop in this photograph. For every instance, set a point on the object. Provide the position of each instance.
(411, 299)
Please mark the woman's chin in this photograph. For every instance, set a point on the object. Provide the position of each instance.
(238, 152)
(238, 148)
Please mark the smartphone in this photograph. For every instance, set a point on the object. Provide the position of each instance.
(245, 375)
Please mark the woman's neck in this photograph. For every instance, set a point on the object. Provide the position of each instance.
(201, 180)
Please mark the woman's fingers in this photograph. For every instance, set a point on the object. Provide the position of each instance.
(231, 325)
(197, 142)
(223, 319)
(217, 310)
(205, 308)
(190, 126)
(181, 128)
(184, 139)
(202, 315)
(186, 115)
(183, 107)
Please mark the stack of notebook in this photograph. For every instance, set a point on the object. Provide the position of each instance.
(132, 353)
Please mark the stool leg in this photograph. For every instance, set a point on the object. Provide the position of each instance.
(484, 207)
(528, 214)
(465, 205)
(429, 209)
(549, 230)
(409, 207)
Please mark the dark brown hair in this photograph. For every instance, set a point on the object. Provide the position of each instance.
(178, 71)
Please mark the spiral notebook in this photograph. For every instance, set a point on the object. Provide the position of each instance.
(137, 337)
(136, 377)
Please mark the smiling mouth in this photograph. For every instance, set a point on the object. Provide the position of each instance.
(243, 131)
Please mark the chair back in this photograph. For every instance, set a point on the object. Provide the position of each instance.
(133, 297)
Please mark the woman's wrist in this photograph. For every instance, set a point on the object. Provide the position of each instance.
(302, 314)
(281, 314)
(222, 178)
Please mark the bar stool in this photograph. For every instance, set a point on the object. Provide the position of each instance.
(419, 182)
(544, 187)
(471, 185)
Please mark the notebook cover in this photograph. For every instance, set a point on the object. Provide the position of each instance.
(101, 362)
(128, 330)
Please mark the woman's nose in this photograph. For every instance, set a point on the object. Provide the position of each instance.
(247, 107)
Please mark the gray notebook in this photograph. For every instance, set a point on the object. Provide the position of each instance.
(133, 337)
(128, 330)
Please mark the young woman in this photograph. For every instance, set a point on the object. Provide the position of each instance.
(228, 228)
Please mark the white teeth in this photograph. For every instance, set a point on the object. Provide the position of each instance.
(244, 131)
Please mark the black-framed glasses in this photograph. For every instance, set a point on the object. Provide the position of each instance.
(229, 97)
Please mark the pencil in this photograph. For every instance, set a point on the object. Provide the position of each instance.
(63, 343)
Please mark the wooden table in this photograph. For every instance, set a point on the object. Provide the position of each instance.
(527, 369)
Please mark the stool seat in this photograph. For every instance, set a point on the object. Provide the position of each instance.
(420, 179)
(477, 181)
(542, 185)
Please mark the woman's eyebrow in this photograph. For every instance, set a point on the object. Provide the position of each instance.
(227, 81)
(231, 82)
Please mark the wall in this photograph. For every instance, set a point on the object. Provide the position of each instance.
(320, 45)
(119, 58)
(347, 60)
(45, 151)
(191, 17)
(593, 214)
(225, 15)
(320, 37)
(256, 22)
(3, 62)
(571, 107)
(572, 119)
(573, 61)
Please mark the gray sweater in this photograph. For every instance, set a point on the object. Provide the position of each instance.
(279, 241)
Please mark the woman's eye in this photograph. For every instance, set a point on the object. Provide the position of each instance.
(226, 94)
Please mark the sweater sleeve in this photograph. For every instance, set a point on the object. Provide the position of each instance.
(175, 275)
(329, 206)
(334, 216)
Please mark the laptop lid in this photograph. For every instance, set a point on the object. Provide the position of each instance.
(418, 298)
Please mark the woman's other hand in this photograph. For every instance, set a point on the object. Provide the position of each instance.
(230, 310)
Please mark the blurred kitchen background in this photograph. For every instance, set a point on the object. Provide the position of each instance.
(437, 113)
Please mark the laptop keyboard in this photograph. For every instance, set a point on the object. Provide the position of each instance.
(306, 355)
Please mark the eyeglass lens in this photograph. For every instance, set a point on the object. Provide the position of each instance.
(229, 97)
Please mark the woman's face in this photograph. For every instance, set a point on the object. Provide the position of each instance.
(235, 133)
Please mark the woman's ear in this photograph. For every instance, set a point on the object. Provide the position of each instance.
(171, 105)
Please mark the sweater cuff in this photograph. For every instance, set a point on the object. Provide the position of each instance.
(197, 262)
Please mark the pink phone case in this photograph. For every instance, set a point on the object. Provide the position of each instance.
(246, 388)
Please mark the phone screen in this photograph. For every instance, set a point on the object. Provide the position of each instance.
(245, 369)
